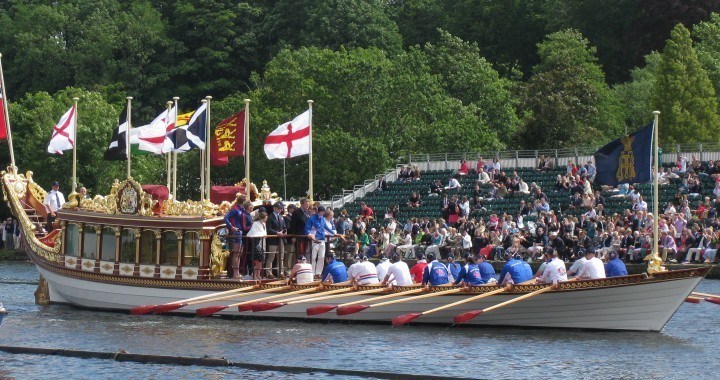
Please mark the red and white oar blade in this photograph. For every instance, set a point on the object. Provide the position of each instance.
(351, 309)
(142, 310)
(265, 306)
(714, 300)
(466, 317)
(210, 310)
(320, 309)
(169, 307)
(405, 319)
(693, 300)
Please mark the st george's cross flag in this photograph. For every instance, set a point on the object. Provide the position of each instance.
(151, 137)
(290, 139)
(63, 133)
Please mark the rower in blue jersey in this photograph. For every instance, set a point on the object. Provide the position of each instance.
(334, 270)
(453, 267)
(615, 267)
(436, 273)
(514, 272)
(487, 272)
(527, 270)
(470, 274)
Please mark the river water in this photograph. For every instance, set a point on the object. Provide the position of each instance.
(686, 348)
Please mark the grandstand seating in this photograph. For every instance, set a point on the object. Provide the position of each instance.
(399, 192)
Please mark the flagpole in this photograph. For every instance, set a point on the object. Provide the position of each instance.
(174, 153)
(207, 151)
(168, 158)
(284, 182)
(310, 168)
(74, 175)
(128, 125)
(6, 115)
(656, 207)
(202, 162)
(246, 145)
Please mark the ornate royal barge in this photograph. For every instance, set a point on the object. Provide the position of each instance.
(125, 250)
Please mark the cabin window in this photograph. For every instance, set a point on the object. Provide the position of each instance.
(72, 240)
(169, 249)
(147, 247)
(89, 243)
(108, 244)
(191, 249)
(127, 246)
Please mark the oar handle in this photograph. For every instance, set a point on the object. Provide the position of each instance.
(517, 299)
(706, 294)
(378, 298)
(469, 299)
(455, 290)
(318, 297)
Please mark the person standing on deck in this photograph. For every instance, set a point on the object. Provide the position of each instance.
(315, 230)
(236, 223)
(53, 202)
(298, 219)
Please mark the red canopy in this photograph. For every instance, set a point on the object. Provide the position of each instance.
(158, 193)
(218, 194)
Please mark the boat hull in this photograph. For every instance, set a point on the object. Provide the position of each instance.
(611, 304)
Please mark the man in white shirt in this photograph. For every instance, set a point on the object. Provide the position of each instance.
(382, 268)
(483, 177)
(53, 201)
(578, 264)
(399, 272)
(302, 272)
(554, 271)
(364, 273)
(453, 184)
(593, 268)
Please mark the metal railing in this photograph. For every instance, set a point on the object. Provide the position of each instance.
(514, 159)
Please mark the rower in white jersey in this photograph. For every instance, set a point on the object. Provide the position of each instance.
(364, 273)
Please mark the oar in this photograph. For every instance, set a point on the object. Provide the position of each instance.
(147, 309)
(245, 305)
(320, 309)
(714, 298)
(407, 318)
(359, 308)
(692, 299)
(315, 297)
(466, 317)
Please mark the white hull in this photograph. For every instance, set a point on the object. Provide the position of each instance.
(642, 306)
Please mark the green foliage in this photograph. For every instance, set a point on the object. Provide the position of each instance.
(567, 98)
(636, 95)
(707, 47)
(684, 94)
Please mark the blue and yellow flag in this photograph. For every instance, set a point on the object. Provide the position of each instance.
(627, 159)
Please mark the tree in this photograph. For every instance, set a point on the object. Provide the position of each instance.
(636, 95)
(707, 35)
(684, 94)
(567, 98)
(469, 77)
(330, 24)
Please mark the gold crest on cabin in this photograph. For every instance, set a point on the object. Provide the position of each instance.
(626, 161)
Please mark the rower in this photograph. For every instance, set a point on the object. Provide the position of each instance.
(355, 266)
(302, 272)
(513, 272)
(398, 272)
(419, 268)
(578, 264)
(364, 273)
(615, 267)
(593, 268)
(487, 272)
(453, 267)
(334, 270)
(554, 271)
(436, 273)
(382, 267)
(470, 274)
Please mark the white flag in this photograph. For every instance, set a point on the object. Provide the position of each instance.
(291, 139)
(151, 137)
(63, 133)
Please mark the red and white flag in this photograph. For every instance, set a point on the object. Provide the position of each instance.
(291, 139)
(3, 126)
(63, 133)
(151, 137)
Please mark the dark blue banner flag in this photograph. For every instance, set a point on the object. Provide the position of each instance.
(625, 160)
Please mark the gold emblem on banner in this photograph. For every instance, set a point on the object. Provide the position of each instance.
(626, 161)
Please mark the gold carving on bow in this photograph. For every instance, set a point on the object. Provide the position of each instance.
(218, 257)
